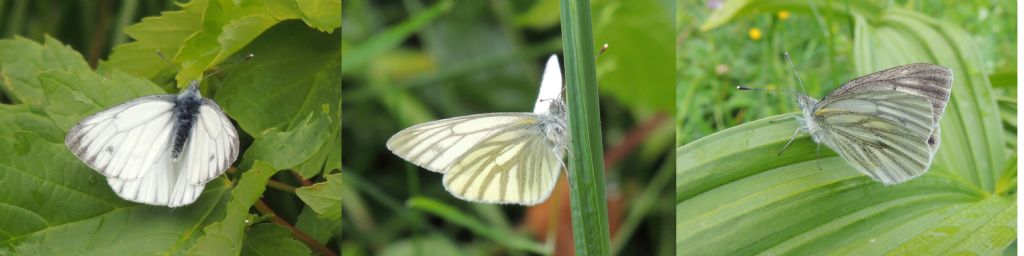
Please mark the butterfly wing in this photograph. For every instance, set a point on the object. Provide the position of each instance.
(437, 145)
(883, 134)
(930, 81)
(212, 147)
(516, 165)
(124, 141)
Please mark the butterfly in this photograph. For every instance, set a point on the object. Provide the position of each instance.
(885, 124)
(158, 149)
(505, 158)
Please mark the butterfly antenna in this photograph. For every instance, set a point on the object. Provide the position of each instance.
(244, 59)
(747, 88)
(168, 61)
(601, 52)
(790, 61)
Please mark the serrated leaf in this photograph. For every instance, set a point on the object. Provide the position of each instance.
(272, 239)
(287, 149)
(225, 237)
(165, 33)
(21, 59)
(295, 72)
(324, 197)
(324, 15)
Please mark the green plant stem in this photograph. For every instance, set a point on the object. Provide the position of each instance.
(586, 176)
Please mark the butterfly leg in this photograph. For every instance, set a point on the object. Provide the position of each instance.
(795, 132)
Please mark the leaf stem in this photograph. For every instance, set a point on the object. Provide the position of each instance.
(586, 175)
(302, 236)
(281, 186)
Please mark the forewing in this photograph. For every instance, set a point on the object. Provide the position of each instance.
(933, 82)
(882, 134)
(436, 145)
(212, 146)
(123, 142)
(515, 166)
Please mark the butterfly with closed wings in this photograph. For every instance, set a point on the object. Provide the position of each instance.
(885, 124)
(506, 158)
(158, 149)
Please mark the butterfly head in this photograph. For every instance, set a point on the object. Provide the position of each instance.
(192, 92)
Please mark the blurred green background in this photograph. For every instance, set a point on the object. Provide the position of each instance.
(409, 62)
(736, 195)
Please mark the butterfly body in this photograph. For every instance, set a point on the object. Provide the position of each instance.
(505, 158)
(186, 109)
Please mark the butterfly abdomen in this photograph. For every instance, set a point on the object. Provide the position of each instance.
(186, 109)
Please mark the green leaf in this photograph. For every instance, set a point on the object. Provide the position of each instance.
(587, 198)
(432, 244)
(324, 198)
(319, 229)
(225, 237)
(623, 68)
(294, 73)
(324, 15)
(77, 95)
(287, 149)
(165, 33)
(272, 239)
(22, 59)
(42, 181)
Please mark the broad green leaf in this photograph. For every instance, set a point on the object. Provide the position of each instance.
(736, 196)
(323, 160)
(287, 149)
(640, 55)
(294, 73)
(225, 237)
(20, 118)
(42, 180)
(272, 239)
(324, 198)
(319, 229)
(21, 59)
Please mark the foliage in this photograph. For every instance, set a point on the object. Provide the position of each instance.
(735, 194)
(54, 204)
(411, 62)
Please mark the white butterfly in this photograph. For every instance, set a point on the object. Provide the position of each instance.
(507, 158)
(159, 149)
(885, 124)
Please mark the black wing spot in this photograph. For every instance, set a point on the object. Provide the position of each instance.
(931, 140)
(109, 149)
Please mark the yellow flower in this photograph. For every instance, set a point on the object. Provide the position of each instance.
(755, 34)
(783, 15)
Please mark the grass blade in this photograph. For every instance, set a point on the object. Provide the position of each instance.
(586, 175)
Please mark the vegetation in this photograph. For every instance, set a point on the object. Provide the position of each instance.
(62, 62)
(411, 62)
(735, 194)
